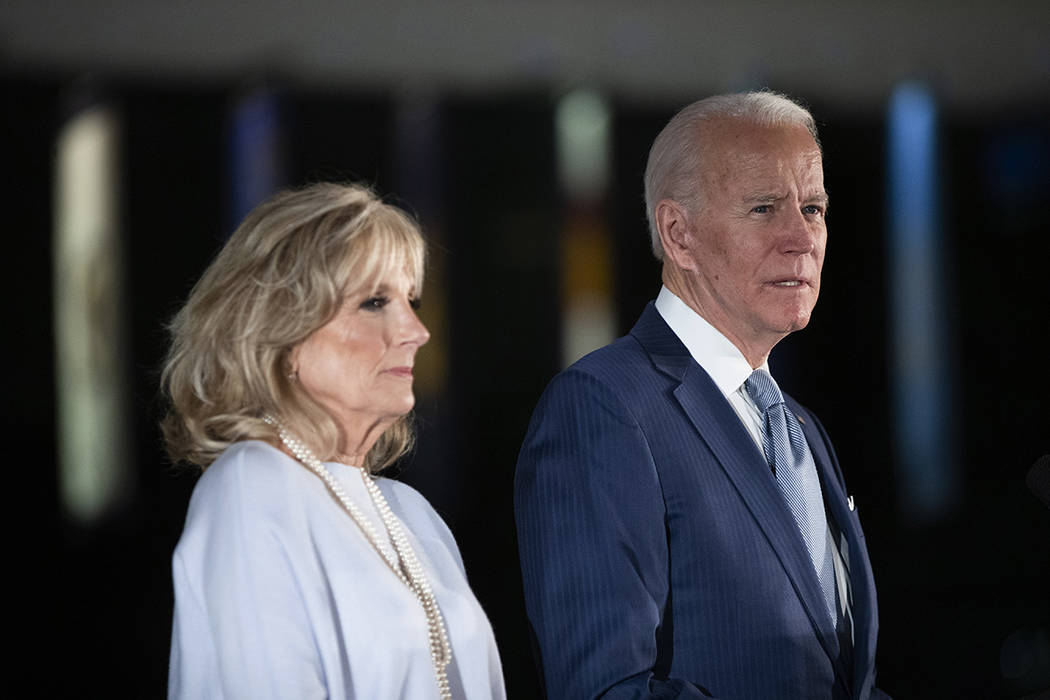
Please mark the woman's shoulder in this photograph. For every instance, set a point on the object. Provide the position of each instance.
(250, 474)
(254, 460)
(250, 453)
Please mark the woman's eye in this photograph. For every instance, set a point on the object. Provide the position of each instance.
(374, 303)
(415, 303)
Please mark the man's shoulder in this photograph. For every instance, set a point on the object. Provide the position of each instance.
(631, 370)
(622, 364)
(622, 371)
(624, 350)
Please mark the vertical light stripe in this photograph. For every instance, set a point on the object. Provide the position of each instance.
(257, 160)
(920, 367)
(583, 123)
(90, 353)
(583, 134)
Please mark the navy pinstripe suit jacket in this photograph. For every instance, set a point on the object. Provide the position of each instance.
(659, 558)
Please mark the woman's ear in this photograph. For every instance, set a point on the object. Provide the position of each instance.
(291, 364)
(677, 235)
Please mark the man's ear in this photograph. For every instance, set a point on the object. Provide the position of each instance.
(676, 233)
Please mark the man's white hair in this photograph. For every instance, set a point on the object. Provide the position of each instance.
(675, 159)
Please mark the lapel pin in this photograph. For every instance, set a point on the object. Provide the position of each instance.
(849, 502)
(800, 418)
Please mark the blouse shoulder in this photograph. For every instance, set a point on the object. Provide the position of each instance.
(251, 459)
(250, 476)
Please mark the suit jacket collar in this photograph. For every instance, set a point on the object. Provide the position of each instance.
(716, 353)
(720, 428)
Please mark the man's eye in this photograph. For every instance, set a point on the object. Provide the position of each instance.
(813, 209)
(762, 209)
(374, 303)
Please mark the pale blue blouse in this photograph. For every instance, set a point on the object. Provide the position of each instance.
(279, 595)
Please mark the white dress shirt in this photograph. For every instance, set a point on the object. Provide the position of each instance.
(717, 355)
(279, 595)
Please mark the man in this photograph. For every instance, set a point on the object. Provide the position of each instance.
(684, 529)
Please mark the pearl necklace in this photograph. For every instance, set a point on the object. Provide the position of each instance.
(402, 560)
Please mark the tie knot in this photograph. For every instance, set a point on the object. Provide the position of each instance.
(763, 390)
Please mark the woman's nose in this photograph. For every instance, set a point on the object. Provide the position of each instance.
(414, 331)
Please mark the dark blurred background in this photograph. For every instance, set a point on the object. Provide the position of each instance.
(136, 134)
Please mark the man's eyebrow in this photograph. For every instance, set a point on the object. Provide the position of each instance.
(769, 196)
(819, 197)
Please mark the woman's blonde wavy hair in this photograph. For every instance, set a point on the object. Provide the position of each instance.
(282, 275)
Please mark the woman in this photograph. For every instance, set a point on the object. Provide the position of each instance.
(299, 574)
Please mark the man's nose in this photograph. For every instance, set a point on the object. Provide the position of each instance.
(798, 234)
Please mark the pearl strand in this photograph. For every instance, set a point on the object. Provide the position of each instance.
(403, 561)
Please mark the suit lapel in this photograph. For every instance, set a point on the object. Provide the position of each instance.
(720, 428)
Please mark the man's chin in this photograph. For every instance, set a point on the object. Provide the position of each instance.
(789, 323)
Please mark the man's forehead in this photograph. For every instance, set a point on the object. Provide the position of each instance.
(743, 137)
(767, 169)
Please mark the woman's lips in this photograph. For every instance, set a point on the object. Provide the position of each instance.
(403, 372)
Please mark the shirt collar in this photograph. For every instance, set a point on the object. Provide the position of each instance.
(711, 350)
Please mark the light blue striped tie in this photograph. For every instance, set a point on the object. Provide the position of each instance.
(792, 463)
